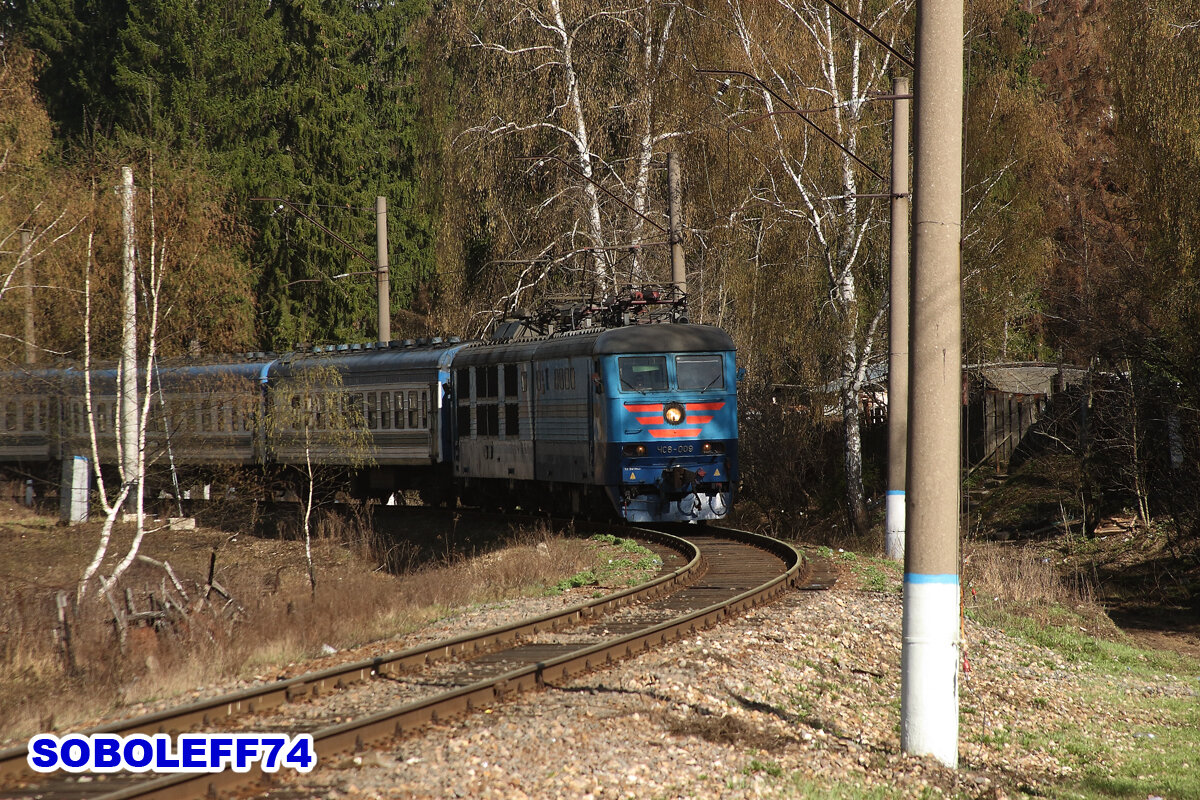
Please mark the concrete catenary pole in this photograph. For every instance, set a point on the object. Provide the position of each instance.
(27, 276)
(675, 213)
(382, 279)
(128, 388)
(898, 334)
(930, 655)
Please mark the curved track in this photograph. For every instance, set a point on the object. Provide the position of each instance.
(727, 572)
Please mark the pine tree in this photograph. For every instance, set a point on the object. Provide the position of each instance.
(345, 118)
(77, 39)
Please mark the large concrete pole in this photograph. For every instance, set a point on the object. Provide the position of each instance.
(930, 656)
(382, 278)
(675, 213)
(128, 388)
(898, 334)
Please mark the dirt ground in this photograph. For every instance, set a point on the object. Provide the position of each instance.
(1147, 581)
(1141, 579)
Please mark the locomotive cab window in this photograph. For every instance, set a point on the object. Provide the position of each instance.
(643, 373)
(699, 372)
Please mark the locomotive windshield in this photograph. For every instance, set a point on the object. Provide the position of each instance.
(692, 373)
(699, 372)
(643, 373)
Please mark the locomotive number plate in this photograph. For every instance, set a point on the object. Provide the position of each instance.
(676, 449)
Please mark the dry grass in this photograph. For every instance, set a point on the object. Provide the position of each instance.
(356, 600)
(1015, 579)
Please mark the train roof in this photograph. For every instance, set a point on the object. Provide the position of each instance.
(167, 374)
(432, 356)
(657, 338)
(676, 337)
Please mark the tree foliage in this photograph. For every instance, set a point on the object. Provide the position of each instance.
(1013, 153)
(296, 100)
(571, 109)
(1158, 125)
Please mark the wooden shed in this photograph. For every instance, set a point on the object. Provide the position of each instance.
(1005, 401)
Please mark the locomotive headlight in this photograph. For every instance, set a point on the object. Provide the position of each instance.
(673, 413)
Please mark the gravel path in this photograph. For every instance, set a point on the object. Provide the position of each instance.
(790, 698)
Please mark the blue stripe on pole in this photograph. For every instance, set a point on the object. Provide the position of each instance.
(896, 491)
(915, 577)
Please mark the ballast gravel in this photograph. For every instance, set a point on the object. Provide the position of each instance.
(796, 699)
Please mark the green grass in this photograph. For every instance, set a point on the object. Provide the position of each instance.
(1153, 750)
(1164, 759)
(620, 562)
(1063, 636)
(771, 768)
(803, 788)
(875, 574)
(1156, 754)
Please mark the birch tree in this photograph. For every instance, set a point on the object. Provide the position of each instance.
(799, 55)
(132, 472)
(312, 417)
(178, 287)
(582, 92)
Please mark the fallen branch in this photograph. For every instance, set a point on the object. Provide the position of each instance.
(165, 565)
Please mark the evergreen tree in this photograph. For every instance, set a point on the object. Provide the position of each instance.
(197, 78)
(77, 40)
(295, 99)
(345, 118)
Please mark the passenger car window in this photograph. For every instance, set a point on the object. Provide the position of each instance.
(643, 373)
(699, 372)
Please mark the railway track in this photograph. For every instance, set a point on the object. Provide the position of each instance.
(352, 705)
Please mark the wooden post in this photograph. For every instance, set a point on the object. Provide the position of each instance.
(63, 632)
(382, 276)
(27, 263)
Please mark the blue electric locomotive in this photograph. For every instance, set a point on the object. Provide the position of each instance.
(672, 423)
(641, 418)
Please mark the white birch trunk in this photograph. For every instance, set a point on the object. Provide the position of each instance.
(157, 263)
(583, 152)
(111, 509)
